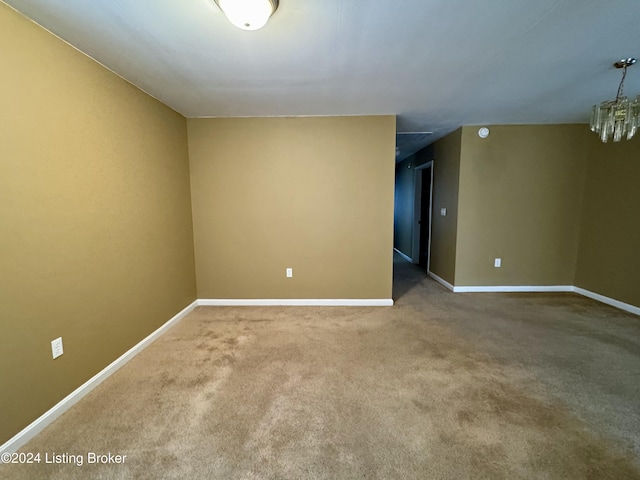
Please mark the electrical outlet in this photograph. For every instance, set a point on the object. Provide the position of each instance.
(289, 272)
(56, 347)
(443, 212)
(497, 262)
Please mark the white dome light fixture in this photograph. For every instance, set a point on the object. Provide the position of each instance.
(248, 14)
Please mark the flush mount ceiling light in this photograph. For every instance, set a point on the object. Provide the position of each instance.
(617, 117)
(248, 14)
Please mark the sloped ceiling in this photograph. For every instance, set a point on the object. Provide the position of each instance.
(437, 64)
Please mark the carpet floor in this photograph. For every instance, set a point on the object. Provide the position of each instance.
(440, 386)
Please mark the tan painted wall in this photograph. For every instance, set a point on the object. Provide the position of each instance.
(609, 254)
(314, 194)
(520, 200)
(444, 230)
(95, 225)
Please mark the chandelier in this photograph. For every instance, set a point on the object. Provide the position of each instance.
(617, 117)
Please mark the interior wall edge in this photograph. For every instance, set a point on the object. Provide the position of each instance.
(441, 281)
(93, 59)
(44, 420)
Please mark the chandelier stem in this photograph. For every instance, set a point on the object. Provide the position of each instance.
(621, 86)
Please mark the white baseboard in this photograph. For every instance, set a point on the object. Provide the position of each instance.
(297, 302)
(22, 437)
(17, 441)
(542, 288)
(515, 288)
(609, 301)
(441, 281)
(406, 257)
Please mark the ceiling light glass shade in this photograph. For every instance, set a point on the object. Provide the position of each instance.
(248, 14)
(616, 119)
(619, 117)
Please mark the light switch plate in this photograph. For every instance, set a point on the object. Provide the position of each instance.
(443, 212)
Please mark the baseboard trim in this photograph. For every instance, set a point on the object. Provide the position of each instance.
(406, 257)
(35, 427)
(607, 300)
(441, 281)
(542, 288)
(515, 288)
(296, 302)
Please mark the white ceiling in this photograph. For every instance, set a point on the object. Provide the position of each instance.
(437, 64)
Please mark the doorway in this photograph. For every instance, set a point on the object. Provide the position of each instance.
(423, 186)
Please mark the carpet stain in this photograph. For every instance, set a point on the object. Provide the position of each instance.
(422, 406)
(465, 417)
(415, 391)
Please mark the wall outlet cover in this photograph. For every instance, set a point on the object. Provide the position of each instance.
(56, 347)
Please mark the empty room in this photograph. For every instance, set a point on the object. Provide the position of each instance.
(276, 239)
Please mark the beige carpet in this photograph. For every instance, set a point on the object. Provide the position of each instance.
(420, 390)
